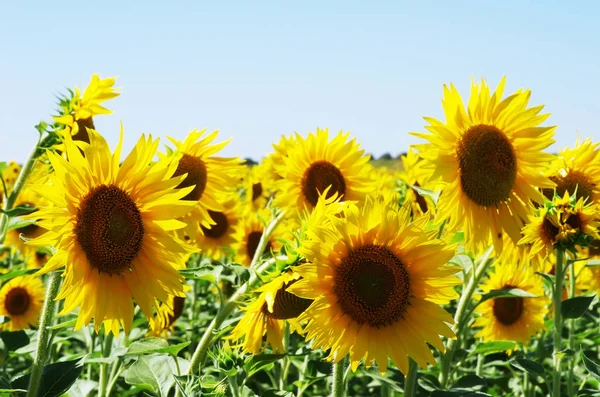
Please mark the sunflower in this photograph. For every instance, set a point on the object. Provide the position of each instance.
(268, 313)
(564, 224)
(76, 113)
(166, 314)
(316, 163)
(9, 175)
(512, 318)
(21, 300)
(377, 282)
(415, 175)
(257, 186)
(281, 148)
(209, 175)
(27, 197)
(490, 161)
(221, 235)
(111, 225)
(248, 233)
(577, 171)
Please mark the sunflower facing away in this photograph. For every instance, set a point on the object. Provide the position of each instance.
(210, 176)
(489, 156)
(415, 175)
(577, 171)
(258, 186)
(77, 113)
(377, 282)
(111, 225)
(21, 300)
(316, 163)
(268, 313)
(512, 318)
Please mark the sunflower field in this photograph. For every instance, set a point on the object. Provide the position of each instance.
(468, 269)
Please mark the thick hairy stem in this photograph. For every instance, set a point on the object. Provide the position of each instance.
(410, 383)
(43, 334)
(337, 377)
(557, 298)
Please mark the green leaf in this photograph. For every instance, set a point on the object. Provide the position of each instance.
(529, 366)
(19, 210)
(458, 393)
(14, 340)
(471, 382)
(3, 165)
(591, 366)
(66, 324)
(17, 222)
(494, 347)
(506, 293)
(262, 361)
(8, 276)
(155, 345)
(576, 307)
(56, 379)
(82, 388)
(434, 196)
(13, 391)
(154, 373)
(593, 263)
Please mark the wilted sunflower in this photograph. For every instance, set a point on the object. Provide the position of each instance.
(316, 163)
(221, 235)
(415, 175)
(489, 156)
(111, 226)
(21, 300)
(377, 282)
(268, 313)
(249, 231)
(166, 314)
(209, 175)
(577, 171)
(512, 318)
(77, 112)
(564, 223)
(27, 197)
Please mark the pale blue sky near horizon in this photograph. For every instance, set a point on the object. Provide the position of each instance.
(257, 70)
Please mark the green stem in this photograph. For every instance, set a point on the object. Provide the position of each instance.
(114, 376)
(410, 382)
(337, 377)
(207, 338)
(285, 362)
(572, 285)
(106, 349)
(43, 334)
(479, 367)
(463, 303)
(19, 183)
(557, 297)
(301, 376)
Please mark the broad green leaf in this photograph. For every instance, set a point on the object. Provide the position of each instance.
(277, 393)
(16, 222)
(14, 340)
(56, 379)
(434, 196)
(529, 366)
(494, 347)
(259, 362)
(82, 388)
(155, 345)
(472, 382)
(16, 273)
(154, 373)
(592, 367)
(458, 393)
(576, 307)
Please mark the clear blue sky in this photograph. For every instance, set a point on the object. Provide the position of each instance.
(255, 70)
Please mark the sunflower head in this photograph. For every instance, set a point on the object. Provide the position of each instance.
(512, 318)
(488, 158)
(76, 112)
(21, 300)
(566, 222)
(112, 224)
(30, 230)
(258, 188)
(377, 280)
(166, 315)
(415, 176)
(577, 171)
(267, 315)
(316, 163)
(249, 231)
